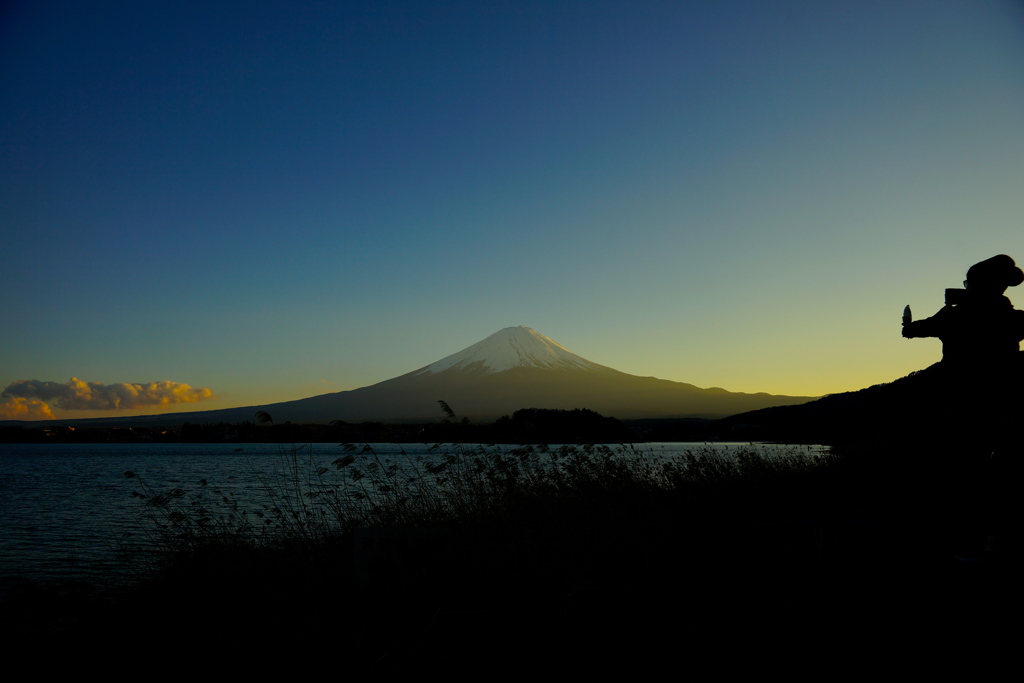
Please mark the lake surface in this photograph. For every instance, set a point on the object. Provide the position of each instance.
(66, 507)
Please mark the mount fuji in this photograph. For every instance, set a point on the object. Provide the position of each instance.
(514, 368)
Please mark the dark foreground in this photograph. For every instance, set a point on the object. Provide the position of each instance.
(872, 556)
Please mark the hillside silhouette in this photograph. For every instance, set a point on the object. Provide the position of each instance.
(975, 394)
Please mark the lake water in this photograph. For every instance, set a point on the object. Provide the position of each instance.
(65, 507)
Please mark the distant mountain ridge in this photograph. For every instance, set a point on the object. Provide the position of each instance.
(512, 369)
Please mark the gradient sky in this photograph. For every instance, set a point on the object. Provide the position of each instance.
(275, 200)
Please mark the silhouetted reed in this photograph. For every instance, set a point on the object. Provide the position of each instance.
(403, 557)
(497, 495)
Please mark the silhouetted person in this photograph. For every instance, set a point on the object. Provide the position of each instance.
(980, 391)
(978, 325)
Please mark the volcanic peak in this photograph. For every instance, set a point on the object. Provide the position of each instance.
(510, 348)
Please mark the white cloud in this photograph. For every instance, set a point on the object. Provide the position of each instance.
(78, 395)
(24, 409)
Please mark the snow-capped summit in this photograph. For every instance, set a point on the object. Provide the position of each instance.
(510, 348)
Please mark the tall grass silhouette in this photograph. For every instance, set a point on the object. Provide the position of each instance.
(553, 501)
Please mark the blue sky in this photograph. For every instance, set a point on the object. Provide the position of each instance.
(275, 200)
